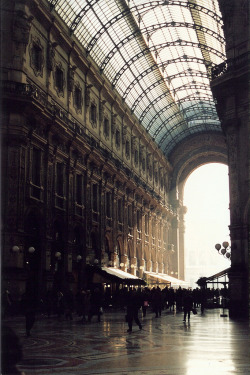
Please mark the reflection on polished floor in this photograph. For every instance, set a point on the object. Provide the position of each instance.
(209, 345)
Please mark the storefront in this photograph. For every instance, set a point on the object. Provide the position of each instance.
(163, 280)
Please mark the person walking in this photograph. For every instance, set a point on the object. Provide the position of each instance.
(29, 307)
(133, 306)
(145, 301)
(157, 301)
(187, 304)
(60, 305)
(6, 303)
(69, 303)
(96, 302)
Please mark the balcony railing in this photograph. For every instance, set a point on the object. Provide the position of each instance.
(230, 65)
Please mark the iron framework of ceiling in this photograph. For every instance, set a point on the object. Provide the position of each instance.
(158, 55)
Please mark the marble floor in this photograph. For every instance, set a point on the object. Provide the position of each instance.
(208, 345)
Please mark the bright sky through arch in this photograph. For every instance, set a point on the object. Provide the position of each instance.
(206, 195)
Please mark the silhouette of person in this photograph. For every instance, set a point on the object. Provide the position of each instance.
(29, 306)
(133, 305)
(96, 302)
(11, 351)
(187, 304)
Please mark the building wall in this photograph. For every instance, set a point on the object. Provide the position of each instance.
(81, 177)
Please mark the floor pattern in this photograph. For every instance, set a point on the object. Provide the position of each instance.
(210, 344)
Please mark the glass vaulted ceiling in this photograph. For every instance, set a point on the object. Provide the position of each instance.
(158, 55)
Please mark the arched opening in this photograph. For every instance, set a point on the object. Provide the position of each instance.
(206, 196)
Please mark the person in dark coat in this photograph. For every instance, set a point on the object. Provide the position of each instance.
(60, 305)
(145, 301)
(12, 352)
(156, 299)
(187, 304)
(69, 303)
(29, 307)
(6, 303)
(96, 302)
(133, 305)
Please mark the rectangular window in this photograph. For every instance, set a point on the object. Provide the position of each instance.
(130, 216)
(78, 98)
(36, 173)
(146, 224)
(36, 57)
(106, 127)
(79, 189)
(60, 179)
(36, 166)
(127, 150)
(93, 113)
(153, 230)
(117, 138)
(120, 211)
(138, 221)
(108, 205)
(95, 198)
(59, 79)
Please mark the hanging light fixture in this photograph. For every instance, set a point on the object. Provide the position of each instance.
(31, 249)
(225, 250)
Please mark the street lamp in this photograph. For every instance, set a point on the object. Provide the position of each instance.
(224, 250)
(31, 250)
(58, 255)
(78, 258)
(15, 249)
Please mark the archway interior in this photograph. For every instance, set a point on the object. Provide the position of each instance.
(206, 196)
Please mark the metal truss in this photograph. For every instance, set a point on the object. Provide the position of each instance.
(146, 91)
(105, 28)
(182, 135)
(200, 108)
(117, 47)
(156, 66)
(197, 116)
(159, 113)
(53, 4)
(149, 31)
(184, 122)
(152, 29)
(188, 98)
(81, 14)
(189, 72)
(163, 125)
(156, 48)
(163, 95)
(194, 86)
(145, 8)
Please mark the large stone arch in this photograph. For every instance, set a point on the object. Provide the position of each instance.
(192, 153)
(189, 155)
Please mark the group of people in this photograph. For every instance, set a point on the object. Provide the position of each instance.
(158, 300)
(85, 303)
(89, 303)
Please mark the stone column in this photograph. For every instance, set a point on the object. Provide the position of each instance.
(181, 265)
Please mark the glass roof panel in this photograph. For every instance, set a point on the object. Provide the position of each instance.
(158, 55)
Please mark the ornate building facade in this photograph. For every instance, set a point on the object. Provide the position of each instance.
(83, 181)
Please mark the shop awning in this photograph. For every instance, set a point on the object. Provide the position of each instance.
(218, 275)
(163, 278)
(111, 274)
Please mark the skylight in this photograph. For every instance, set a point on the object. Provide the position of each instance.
(158, 55)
